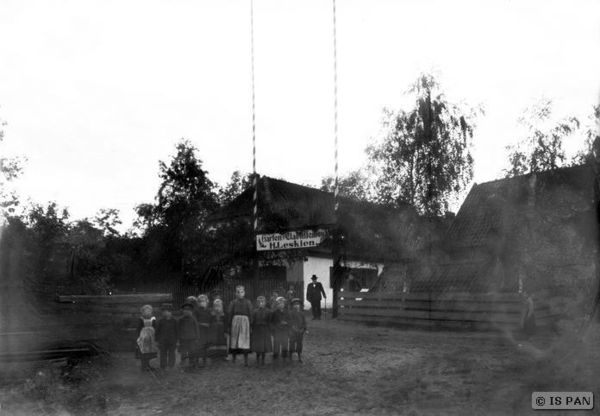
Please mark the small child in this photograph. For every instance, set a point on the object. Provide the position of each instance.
(187, 330)
(297, 329)
(217, 348)
(145, 342)
(166, 336)
(260, 338)
(203, 316)
(281, 329)
(193, 355)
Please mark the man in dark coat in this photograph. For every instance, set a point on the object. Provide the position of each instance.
(313, 295)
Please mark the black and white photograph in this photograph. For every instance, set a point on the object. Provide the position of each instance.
(282, 207)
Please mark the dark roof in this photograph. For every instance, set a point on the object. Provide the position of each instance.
(372, 230)
(301, 205)
(475, 239)
(479, 219)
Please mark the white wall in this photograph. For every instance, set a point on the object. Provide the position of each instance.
(320, 267)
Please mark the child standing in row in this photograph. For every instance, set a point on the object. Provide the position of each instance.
(203, 316)
(145, 342)
(280, 328)
(240, 316)
(217, 341)
(261, 334)
(188, 334)
(297, 329)
(166, 336)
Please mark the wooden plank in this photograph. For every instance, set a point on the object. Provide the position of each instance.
(473, 297)
(373, 295)
(100, 308)
(140, 298)
(438, 305)
(434, 315)
(444, 306)
(431, 324)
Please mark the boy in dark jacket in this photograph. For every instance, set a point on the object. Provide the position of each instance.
(297, 329)
(166, 336)
(280, 327)
(187, 330)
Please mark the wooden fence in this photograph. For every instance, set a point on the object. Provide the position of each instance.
(108, 321)
(440, 310)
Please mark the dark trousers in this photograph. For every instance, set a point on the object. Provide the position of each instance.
(167, 355)
(315, 306)
(280, 342)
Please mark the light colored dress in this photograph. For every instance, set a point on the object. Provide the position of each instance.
(240, 311)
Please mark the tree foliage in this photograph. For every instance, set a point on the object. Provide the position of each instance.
(176, 225)
(107, 220)
(590, 151)
(424, 158)
(10, 169)
(542, 145)
(237, 184)
(355, 185)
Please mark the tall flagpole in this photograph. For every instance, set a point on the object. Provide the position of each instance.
(254, 175)
(335, 114)
(254, 180)
(337, 240)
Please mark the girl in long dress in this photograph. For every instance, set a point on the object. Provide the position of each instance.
(240, 319)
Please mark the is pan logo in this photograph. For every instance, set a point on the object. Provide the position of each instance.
(553, 400)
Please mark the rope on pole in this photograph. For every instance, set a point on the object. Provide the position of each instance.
(254, 179)
(335, 113)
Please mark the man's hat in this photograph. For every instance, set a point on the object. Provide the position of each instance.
(314, 277)
(258, 299)
(296, 300)
(187, 305)
(166, 307)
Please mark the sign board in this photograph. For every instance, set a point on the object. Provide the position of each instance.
(290, 240)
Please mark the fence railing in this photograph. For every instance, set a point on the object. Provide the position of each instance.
(456, 310)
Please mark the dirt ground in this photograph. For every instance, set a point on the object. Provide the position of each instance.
(349, 369)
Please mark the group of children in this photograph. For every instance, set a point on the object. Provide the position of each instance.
(202, 332)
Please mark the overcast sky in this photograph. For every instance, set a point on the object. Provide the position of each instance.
(95, 93)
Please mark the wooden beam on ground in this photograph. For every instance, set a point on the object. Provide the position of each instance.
(140, 298)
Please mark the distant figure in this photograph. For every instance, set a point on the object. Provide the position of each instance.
(146, 344)
(260, 339)
(291, 295)
(313, 295)
(166, 336)
(240, 319)
(272, 305)
(297, 329)
(528, 322)
(214, 295)
(353, 285)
